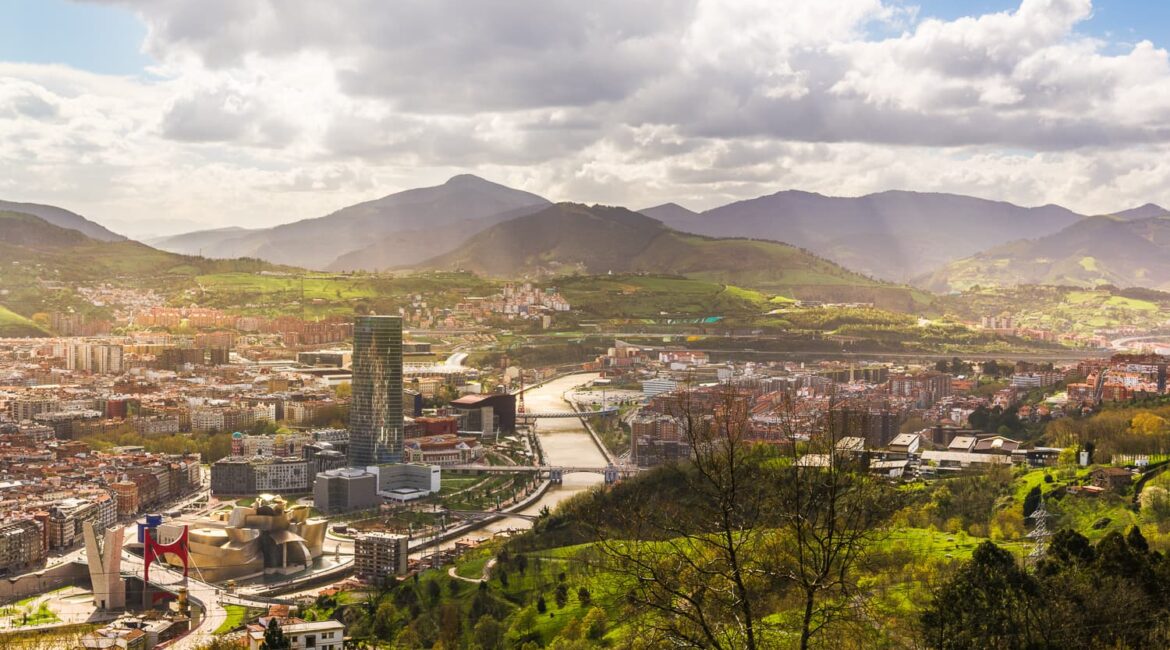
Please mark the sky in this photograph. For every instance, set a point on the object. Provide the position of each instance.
(163, 116)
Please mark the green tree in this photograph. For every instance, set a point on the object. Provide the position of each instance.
(989, 603)
(407, 639)
(487, 634)
(561, 595)
(595, 623)
(1032, 501)
(274, 638)
(384, 621)
(523, 626)
(584, 597)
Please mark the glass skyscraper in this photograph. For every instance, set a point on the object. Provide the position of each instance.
(375, 411)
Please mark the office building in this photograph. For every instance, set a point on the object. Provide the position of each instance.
(243, 475)
(407, 481)
(375, 414)
(345, 490)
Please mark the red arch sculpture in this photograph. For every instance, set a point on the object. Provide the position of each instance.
(154, 551)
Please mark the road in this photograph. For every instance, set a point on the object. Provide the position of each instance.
(1124, 344)
(205, 595)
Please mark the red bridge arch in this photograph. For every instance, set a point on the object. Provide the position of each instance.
(154, 551)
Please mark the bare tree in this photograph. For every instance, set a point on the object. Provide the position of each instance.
(828, 511)
(743, 529)
(687, 557)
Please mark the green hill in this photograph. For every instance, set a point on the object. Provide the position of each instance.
(41, 265)
(570, 238)
(66, 254)
(1094, 251)
(13, 324)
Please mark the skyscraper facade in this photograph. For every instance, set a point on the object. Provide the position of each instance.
(375, 412)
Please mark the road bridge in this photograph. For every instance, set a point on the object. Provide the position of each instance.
(210, 598)
(534, 415)
(556, 474)
(453, 365)
(474, 515)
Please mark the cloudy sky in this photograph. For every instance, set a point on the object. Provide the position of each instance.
(157, 116)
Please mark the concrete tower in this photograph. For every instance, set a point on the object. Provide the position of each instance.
(105, 567)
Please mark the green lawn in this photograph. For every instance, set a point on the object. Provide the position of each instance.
(470, 565)
(924, 542)
(41, 616)
(237, 615)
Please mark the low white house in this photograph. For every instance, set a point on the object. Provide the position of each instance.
(319, 635)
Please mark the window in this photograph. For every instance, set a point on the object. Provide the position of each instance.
(311, 641)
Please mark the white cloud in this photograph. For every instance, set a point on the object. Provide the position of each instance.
(264, 111)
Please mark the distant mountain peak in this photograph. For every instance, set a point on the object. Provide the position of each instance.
(1145, 211)
(669, 213)
(894, 235)
(468, 179)
(63, 218)
(672, 205)
(401, 228)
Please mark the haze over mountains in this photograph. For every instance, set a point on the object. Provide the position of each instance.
(570, 237)
(70, 254)
(942, 242)
(63, 218)
(892, 235)
(1093, 251)
(397, 230)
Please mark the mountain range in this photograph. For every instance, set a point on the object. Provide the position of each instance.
(393, 231)
(571, 238)
(941, 242)
(892, 235)
(62, 218)
(31, 242)
(1097, 250)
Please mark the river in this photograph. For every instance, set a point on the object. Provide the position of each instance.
(565, 442)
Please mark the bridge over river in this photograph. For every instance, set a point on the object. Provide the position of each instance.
(555, 474)
(533, 415)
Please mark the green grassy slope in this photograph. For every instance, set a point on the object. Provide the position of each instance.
(649, 296)
(1097, 250)
(42, 264)
(15, 325)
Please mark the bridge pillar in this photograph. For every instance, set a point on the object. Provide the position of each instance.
(556, 475)
(611, 475)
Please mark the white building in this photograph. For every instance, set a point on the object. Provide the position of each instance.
(406, 481)
(282, 475)
(652, 387)
(319, 635)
